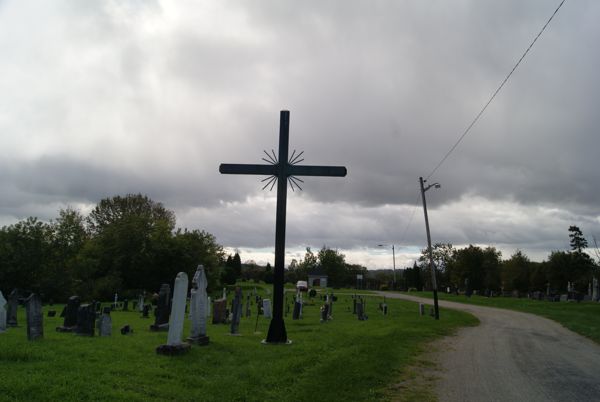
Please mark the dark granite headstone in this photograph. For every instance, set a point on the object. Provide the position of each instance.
(126, 330)
(236, 311)
(126, 305)
(146, 310)
(248, 306)
(35, 317)
(163, 309)
(219, 311)
(12, 305)
(70, 317)
(297, 308)
(86, 320)
(360, 312)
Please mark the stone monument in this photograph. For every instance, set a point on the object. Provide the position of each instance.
(35, 317)
(70, 315)
(13, 304)
(174, 345)
(236, 311)
(266, 308)
(2, 313)
(198, 308)
(161, 321)
(105, 324)
(86, 320)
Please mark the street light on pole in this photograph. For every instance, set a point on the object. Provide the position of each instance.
(394, 260)
(431, 266)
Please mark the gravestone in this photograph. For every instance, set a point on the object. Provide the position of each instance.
(35, 317)
(595, 290)
(86, 320)
(161, 321)
(198, 302)
(126, 305)
(360, 310)
(219, 311)
(70, 315)
(13, 304)
(324, 312)
(353, 304)
(248, 306)
(236, 311)
(141, 303)
(266, 307)
(384, 308)
(146, 310)
(297, 308)
(174, 345)
(105, 324)
(2, 313)
(126, 330)
(421, 309)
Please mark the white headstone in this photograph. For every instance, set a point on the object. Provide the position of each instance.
(224, 293)
(3, 314)
(208, 307)
(267, 308)
(178, 310)
(141, 303)
(198, 303)
(116, 300)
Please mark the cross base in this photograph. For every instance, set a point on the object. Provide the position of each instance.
(277, 332)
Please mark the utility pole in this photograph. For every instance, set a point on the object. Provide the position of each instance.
(430, 252)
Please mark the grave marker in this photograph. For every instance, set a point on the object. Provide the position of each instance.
(35, 317)
(2, 313)
(161, 321)
(236, 311)
(70, 315)
(13, 304)
(174, 345)
(281, 170)
(86, 320)
(198, 303)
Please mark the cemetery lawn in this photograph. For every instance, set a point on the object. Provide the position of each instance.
(341, 360)
(582, 318)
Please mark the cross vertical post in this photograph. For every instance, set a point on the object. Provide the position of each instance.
(281, 170)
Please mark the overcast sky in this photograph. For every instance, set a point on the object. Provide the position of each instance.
(103, 98)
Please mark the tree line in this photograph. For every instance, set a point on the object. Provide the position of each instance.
(126, 244)
(484, 269)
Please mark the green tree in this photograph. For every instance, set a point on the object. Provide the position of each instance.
(578, 242)
(516, 272)
(334, 264)
(481, 267)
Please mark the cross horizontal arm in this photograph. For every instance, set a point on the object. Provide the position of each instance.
(306, 170)
(233, 168)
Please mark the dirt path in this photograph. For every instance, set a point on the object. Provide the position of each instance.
(513, 356)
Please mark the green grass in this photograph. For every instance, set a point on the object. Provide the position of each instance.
(343, 359)
(583, 318)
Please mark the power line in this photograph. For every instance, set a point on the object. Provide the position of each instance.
(495, 93)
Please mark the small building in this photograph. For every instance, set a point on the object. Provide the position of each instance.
(317, 278)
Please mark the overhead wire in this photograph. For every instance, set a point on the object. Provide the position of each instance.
(468, 129)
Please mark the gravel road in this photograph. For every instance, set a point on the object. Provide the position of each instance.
(513, 356)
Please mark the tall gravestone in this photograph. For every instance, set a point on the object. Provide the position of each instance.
(86, 319)
(595, 289)
(13, 304)
(174, 345)
(198, 303)
(70, 315)
(125, 305)
(140, 304)
(161, 321)
(35, 317)
(236, 311)
(2, 313)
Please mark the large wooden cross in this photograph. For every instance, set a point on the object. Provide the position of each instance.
(281, 169)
